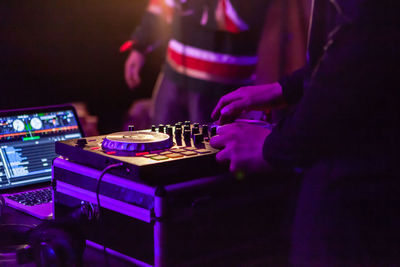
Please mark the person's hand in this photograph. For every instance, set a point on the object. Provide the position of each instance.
(133, 66)
(241, 146)
(257, 97)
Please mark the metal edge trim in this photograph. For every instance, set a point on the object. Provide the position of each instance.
(106, 202)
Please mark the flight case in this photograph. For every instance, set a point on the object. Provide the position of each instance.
(192, 223)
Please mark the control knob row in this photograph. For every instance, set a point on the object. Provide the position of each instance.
(181, 128)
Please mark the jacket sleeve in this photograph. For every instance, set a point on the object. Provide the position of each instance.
(349, 105)
(233, 16)
(292, 86)
(153, 29)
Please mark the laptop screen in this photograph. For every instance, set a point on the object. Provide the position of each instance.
(27, 141)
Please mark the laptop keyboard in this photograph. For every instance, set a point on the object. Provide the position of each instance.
(33, 198)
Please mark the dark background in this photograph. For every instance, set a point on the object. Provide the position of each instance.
(61, 51)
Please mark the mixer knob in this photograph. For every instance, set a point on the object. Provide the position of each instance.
(195, 130)
(178, 133)
(196, 125)
(186, 134)
(131, 128)
(204, 131)
(187, 123)
(169, 130)
(81, 142)
(161, 128)
(213, 131)
(198, 139)
(186, 127)
(153, 128)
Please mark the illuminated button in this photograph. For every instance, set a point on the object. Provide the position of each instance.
(111, 152)
(95, 148)
(159, 157)
(189, 148)
(141, 154)
(203, 151)
(150, 155)
(165, 153)
(177, 150)
(188, 153)
(174, 155)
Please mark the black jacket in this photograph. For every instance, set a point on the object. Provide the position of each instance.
(343, 135)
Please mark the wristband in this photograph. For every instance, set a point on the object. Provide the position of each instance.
(132, 44)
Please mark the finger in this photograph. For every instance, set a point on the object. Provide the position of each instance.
(233, 167)
(225, 100)
(230, 112)
(136, 75)
(225, 129)
(236, 160)
(130, 74)
(218, 141)
(128, 78)
(224, 155)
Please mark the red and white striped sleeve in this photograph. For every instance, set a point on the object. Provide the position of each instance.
(228, 19)
(162, 8)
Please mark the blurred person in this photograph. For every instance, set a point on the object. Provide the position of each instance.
(88, 121)
(211, 49)
(341, 136)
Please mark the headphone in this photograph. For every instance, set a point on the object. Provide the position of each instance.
(55, 243)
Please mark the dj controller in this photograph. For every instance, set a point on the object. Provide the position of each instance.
(162, 155)
(157, 197)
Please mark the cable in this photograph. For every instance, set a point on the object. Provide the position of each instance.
(105, 170)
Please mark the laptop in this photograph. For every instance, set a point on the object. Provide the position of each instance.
(27, 149)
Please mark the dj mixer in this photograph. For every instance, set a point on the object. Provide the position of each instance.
(157, 197)
(162, 155)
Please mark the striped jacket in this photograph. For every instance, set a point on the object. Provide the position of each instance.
(208, 40)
